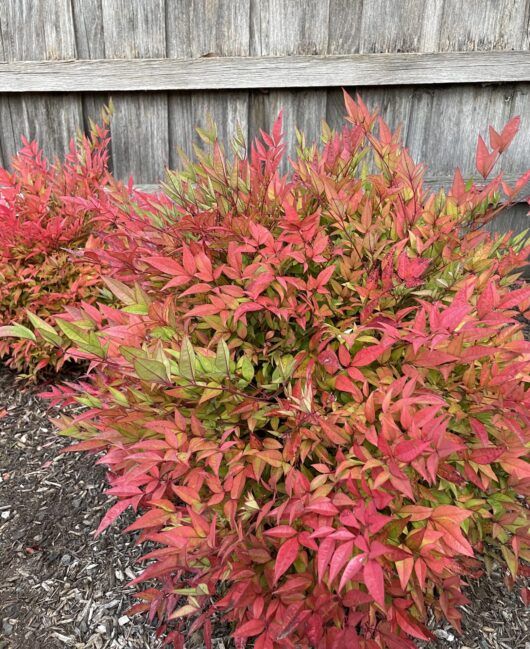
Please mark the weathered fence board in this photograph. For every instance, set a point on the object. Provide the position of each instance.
(229, 73)
(139, 130)
(215, 28)
(37, 31)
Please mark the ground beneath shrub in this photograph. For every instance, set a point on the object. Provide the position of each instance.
(60, 587)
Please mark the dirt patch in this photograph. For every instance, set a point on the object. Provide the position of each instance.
(60, 587)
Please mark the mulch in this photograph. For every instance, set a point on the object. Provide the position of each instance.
(61, 587)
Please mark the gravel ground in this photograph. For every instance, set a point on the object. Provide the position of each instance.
(60, 587)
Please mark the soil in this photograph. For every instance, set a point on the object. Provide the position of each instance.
(61, 587)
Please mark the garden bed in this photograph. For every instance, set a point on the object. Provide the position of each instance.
(61, 587)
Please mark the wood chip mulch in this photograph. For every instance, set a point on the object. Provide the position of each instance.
(61, 587)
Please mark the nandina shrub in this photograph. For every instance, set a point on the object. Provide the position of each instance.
(315, 392)
(47, 212)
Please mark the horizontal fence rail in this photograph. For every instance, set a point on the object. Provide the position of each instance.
(229, 73)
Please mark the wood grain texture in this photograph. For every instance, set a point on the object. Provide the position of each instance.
(482, 25)
(514, 220)
(205, 28)
(427, 25)
(289, 30)
(90, 44)
(228, 73)
(140, 141)
(37, 31)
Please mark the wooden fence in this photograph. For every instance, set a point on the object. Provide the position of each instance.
(444, 69)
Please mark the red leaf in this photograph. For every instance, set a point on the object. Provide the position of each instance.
(324, 276)
(405, 622)
(345, 384)
(202, 310)
(458, 188)
(257, 287)
(281, 532)
(286, 557)
(328, 359)
(187, 494)
(502, 141)
(323, 507)
(112, 515)
(246, 307)
(484, 159)
(334, 433)
(324, 554)
(340, 557)
(410, 449)
(277, 128)
(454, 315)
(486, 455)
(404, 569)
(487, 300)
(353, 567)
(250, 628)
(410, 270)
(165, 265)
(451, 513)
(369, 354)
(375, 582)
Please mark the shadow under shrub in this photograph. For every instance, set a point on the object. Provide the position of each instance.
(314, 392)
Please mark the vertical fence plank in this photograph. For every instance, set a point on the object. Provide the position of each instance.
(283, 28)
(378, 28)
(38, 31)
(140, 143)
(483, 25)
(90, 44)
(204, 28)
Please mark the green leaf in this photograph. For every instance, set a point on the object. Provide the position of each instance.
(136, 309)
(17, 331)
(205, 365)
(44, 328)
(130, 353)
(246, 368)
(118, 396)
(187, 360)
(149, 369)
(222, 358)
(73, 332)
(164, 333)
(85, 340)
(211, 391)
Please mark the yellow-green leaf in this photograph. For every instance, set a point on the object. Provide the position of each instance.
(187, 360)
(151, 370)
(246, 368)
(211, 391)
(85, 340)
(222, 358)
(136, 309)
(16, 331)
(44, 328)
